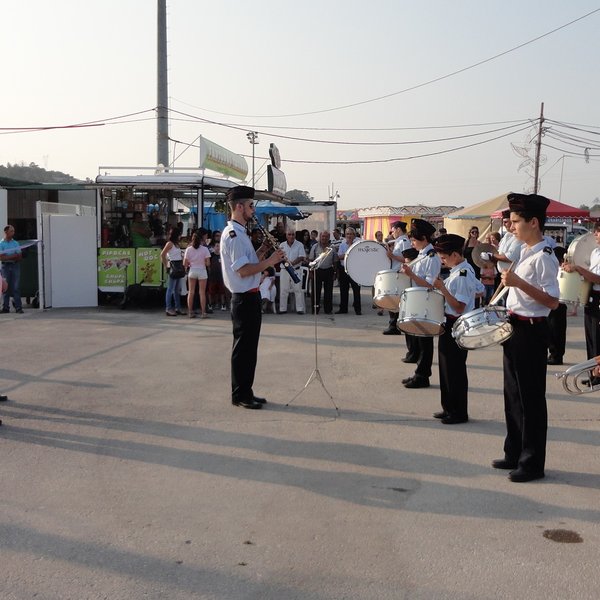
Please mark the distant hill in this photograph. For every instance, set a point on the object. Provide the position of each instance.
(35, 174)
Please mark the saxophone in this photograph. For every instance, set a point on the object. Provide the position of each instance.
(271, 241)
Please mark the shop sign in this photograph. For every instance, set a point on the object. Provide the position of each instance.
(219, 159)
(116, 269)
(148, 267)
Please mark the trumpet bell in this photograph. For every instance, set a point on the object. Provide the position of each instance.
(580, 379)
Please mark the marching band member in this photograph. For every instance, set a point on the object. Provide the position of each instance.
(458, 290)
(533, 294)
(401, 243)
(425, 272)
(241, 274)
(591, 311)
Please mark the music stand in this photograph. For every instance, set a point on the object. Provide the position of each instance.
(316, 374)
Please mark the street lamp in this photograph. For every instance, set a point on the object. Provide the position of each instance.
(253, 139)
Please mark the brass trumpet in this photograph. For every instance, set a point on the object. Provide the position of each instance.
(572, 378)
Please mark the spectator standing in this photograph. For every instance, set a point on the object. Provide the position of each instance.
(197, 260)
(10, 255)
(296, 255)
(324, 274)
(217, 292)
(172, 258)
(344, 279)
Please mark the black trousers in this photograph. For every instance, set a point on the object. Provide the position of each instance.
(246, 317)
(557, 331)
(591, 325)
(454, 383)
(345, 282)
(323, 282)
(420, 348)
(525, 410)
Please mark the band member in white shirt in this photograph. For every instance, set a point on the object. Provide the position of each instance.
(401, 243)
(296, 255)
(533, 294)
(425, 271)
(459, 290)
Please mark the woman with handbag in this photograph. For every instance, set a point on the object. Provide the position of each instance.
(172, 259)
(197, 259)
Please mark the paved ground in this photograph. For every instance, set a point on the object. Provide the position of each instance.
(127, 474)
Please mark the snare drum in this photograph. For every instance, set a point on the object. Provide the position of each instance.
(421, 312)
(574, 289)
(389, 284)
(482, 327)
(364, 259)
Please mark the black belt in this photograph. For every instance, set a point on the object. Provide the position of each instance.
(252, 291)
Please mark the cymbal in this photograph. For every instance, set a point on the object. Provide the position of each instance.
(478, 249)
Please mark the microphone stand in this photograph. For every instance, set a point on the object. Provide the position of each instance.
(316, 374)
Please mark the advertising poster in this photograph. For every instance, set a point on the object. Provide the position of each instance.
(148, 269)
(116, 268)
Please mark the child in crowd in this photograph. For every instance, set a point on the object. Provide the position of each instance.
(217, 292)
(487, 276)
(268, 289)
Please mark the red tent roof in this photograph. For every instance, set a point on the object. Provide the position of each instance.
(556, 209)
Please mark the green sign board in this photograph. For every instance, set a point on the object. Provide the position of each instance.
(116, 268)
(148, 266)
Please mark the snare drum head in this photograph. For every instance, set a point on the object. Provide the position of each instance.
(580, 250)
(482, 327)
(364, 260)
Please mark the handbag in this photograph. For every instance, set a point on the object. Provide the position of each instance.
(176, 269)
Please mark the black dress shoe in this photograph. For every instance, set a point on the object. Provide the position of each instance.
(521, 476)
(553, 360)
(358, 312)
(417, 382)
(391, 332)
(247, 404)
(260, 400)
(454, 420)
(407, 379)
(409, 360)
(440, 415)
(341, 312)
(503, 463)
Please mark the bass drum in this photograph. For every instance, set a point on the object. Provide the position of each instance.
(580, 249)
(364, 260)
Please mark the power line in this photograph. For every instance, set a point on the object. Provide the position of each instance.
(385, 160)
(246, 126)
(346, 143)
(414, 87)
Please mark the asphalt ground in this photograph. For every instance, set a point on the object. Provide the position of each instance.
(127, 473)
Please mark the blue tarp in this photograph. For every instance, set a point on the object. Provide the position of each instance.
(214, 220)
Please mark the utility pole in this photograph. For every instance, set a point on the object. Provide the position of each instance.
(162, 114)
(538, 150)
(253, 139)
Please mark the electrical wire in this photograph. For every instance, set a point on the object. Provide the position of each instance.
(346, 143)
(247, 126)
(414, 87)
(95, 123)
(385, 160)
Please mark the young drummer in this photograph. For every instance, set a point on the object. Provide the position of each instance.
(426, 269)
(458, 290)
(533, 294)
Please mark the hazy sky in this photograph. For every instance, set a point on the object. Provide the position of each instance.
(258, 64)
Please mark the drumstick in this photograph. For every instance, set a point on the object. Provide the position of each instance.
(500, 292)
